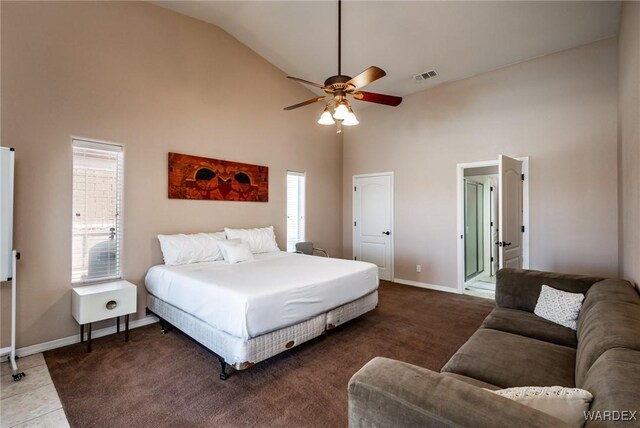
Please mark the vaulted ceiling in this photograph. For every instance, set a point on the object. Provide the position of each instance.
(458, 39)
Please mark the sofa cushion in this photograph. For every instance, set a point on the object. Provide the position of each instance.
(613, 380)
(471, 381)
(616, 290)
(530, 325)
(388, 393)
(506, 360)
(519, 289)
(607, 325)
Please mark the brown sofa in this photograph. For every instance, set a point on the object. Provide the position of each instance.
(514, 347)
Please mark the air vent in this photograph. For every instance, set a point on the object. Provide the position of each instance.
(426, 75)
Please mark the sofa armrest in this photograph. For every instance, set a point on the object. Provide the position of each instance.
(520, 288)
(390, 393)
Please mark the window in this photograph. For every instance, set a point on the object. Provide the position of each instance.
(295, 209)
(97, 204)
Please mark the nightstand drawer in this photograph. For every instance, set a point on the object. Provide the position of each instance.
(102, 301)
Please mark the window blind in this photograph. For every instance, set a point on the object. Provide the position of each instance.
(97, 206)
(295, 208)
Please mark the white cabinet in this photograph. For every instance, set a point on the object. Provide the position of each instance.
(91, 303)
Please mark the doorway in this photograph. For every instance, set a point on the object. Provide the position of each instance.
(474, 229)
(483, 247)
(481, 226)
(373, 221)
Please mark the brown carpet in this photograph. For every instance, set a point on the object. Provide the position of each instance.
(170, 381)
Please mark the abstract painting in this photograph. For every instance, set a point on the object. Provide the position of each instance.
(194, 177)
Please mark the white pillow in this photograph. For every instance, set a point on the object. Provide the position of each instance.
(182, 249)
(236, 252)
(224, 244)
(260, 240)
(559, 306)
(566, 404)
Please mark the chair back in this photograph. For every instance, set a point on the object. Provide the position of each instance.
(305, 248)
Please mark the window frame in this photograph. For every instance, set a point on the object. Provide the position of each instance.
(107, 146)
(301, 203)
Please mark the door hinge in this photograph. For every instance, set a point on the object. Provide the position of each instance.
(522, 177)
(491, 189)
(355, 188)
(491, 258)
(355, 258)
(491, 224)
(522, 229)
(354, 223)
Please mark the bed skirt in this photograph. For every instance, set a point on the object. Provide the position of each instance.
(241, 353)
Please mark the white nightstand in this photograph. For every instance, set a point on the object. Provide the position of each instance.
(91, 303)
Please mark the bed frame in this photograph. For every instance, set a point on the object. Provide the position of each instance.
(241, 354)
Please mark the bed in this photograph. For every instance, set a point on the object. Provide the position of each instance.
(250, 311)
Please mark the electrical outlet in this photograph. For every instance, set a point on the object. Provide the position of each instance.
(418, 268)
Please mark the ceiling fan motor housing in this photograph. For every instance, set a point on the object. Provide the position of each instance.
(337, 81)
(337, 86)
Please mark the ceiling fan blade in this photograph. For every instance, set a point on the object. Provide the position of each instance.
(304, 103)
(317, 85)
(371, 74)
(372, 97)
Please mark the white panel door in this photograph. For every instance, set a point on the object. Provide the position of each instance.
(510, 212)
(372, 217)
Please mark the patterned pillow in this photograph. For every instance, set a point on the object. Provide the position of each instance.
(559, 306)
(566, 404)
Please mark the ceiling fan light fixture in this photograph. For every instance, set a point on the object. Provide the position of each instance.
(340, 86)
(350, 120)
(342, 111)
(325, 118)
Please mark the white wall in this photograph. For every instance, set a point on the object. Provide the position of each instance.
(560, 110)
(155, 81)
(629, 141)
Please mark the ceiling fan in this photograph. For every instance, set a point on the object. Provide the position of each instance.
(340, 86)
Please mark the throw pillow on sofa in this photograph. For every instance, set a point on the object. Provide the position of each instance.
(566, 404)
(560, 307)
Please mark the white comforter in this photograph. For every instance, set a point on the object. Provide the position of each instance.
(273, 291)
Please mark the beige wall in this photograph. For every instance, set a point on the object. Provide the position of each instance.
(629, 140)
(156, 82)
(560, 110)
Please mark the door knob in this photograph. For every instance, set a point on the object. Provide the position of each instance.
(504, 244)
(386, 233)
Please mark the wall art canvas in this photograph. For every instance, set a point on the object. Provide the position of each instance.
(194, 177)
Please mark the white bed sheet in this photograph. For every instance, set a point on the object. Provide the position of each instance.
(273, 291)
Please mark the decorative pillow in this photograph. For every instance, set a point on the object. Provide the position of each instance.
(236, 252)
(183, 249)
(260, 240)
(559, 306)
(224, 244)
(566, 404)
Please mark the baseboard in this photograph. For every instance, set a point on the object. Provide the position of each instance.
(70, 340)
(427, 286)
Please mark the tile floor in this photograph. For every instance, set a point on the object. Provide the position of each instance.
(33, 401)
(481, 286)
